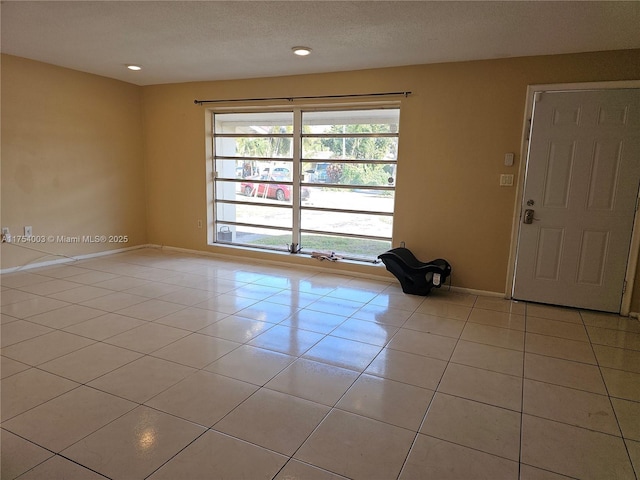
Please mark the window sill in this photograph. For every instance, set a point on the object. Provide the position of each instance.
(343, 266)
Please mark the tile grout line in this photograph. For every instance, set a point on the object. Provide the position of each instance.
(615, 415)
(524, 354)
(435, 391)
(332, 408)
(260, 388)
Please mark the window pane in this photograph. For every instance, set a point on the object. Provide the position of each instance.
(253, 170)
(350, 148)
(351, 199)
(228, 190)
(351, 223)
(254, 214)
(258, 123)
(258, 237)
(275, 171)
(258, 132)
(253, 191)
(353, 121)
(346, 246)
(264, 192)
(327, 135)
(234, 168)
(254, 147)
(345, 173)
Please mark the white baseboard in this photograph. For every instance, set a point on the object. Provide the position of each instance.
(69, 259)
(480, 293)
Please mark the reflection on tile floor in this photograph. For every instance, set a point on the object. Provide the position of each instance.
(164, 365)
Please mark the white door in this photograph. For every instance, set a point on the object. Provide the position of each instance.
(581, 185)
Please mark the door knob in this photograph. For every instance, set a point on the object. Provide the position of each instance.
(528, 216)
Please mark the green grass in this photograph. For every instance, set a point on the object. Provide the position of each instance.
(340, 245)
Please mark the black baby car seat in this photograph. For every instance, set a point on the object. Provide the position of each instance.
(416, 277)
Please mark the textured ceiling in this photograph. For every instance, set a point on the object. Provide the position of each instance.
(182, 41)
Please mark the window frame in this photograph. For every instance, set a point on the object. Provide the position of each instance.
(297, 181)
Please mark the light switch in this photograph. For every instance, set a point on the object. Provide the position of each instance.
(506, 180)
(508, 159)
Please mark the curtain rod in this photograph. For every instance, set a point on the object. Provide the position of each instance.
(312, 97)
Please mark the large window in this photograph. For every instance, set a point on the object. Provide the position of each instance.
(323, 180)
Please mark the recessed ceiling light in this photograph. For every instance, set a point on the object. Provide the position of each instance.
(134, 67)
(301, 51)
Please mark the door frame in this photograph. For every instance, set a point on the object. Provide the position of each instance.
(632, 260)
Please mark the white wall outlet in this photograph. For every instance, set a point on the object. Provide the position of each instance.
(28, 230)
(6, 235)
(508, 159)
(506, 180)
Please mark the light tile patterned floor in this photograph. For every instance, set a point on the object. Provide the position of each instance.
(164, 365)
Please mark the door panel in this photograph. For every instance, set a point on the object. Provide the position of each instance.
(557, 180)
(604, 175)
(549, 253)
(582, 176)
(593, 254)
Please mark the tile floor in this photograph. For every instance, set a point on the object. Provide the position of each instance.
(162, 365)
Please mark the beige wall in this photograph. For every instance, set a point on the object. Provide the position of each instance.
(72, 146)
(635, 299)
(455, 129)
(72, 161)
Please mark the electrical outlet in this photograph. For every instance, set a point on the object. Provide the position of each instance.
(508, 159)
(6, 235)
(506, 180)
(28, 231)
